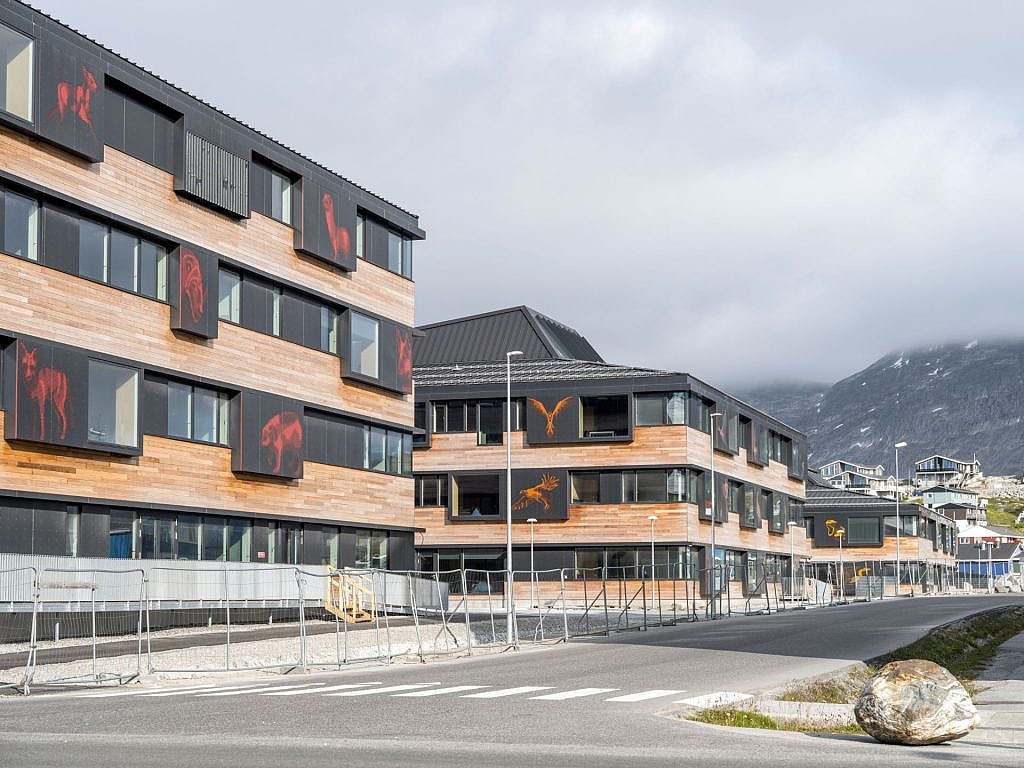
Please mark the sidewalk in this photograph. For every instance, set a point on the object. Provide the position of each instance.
(1001, 703)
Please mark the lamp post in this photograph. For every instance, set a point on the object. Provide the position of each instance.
(533, 573)
(840, 532)
(991, 576)
(901, 444)
(714, 557)
(508, 494)
(653, 519)
(792, 524)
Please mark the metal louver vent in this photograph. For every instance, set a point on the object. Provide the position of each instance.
(216, 176)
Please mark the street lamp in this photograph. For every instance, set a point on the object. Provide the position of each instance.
(792, 524)
(653, 519)
(508, 493)
(840, 532)
(533, 573)
(897, 447)
(714, 557)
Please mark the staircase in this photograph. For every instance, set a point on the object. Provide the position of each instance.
(350, 598)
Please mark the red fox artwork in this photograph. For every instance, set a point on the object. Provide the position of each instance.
(44, 386)
(76, 99)
(404, 361)
(337, 233)
(282, 434)
(192, 290)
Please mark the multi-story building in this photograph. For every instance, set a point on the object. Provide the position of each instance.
(858, 477)
(206, 336)
(942, 470)
(867, 526)
(955, 503)
(604, 457)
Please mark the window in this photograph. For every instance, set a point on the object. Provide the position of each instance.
(372, 549)
(121, 536)
(360, 237)
(239, 540)
(745, 437)
(777, 521)
(280, 197)
(156, 537)
(701, 414)
(650, 410)
(122, 263)
(365, 332)
(377, 448)
(676, 485)
(407, 257)
(139, 127)
(152, 270)
(736, 499)
(750, 507)
(586, 487)
(112, 256)
(328, 330)
(113, 404)
(432, 491)
(93, 250)
(213, 538)
(229, 303)
(604, 416)
(394, 252)
(71, 529)
(490, 430)
(676, 405)
(394, 453)
(16, 59)
(275, 311)
(188, 537)
(475, 496)
(863, 530)
(21, 223)
(197, 413)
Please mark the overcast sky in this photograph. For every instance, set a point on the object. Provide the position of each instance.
(746, 191)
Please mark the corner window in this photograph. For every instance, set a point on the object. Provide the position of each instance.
(113, 404)
(328, 330)
(677, 485)
(281, 197)
(365, 334)
(604, 416)
(21, 224)
(676, 406)
(16, 60)
(229, 302)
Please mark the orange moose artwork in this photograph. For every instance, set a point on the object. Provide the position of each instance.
(537, 493)
(550, 415)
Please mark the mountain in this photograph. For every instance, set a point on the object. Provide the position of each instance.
(955, 399)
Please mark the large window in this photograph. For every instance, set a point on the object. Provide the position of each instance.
(121, 535)
(16, 73)
(197, 413)
(21, 225)
(475, 496)
(863, 530)
(156, 537)
(229, 303)
(281, 197)
(604, 416)
(113, 404)
(586, 487)
(655, 409)
(365, 334)
(432, 491)
(645, 485)
(371, 549)
(112, 256)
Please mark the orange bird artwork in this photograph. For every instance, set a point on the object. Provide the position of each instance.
(537, 494)
(550, 415)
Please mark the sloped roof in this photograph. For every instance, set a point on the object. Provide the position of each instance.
(460, 374)
(948, 490)
(488, 336)
(947, 458)
(999, 551)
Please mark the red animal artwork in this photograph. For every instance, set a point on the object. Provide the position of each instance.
(339, 235)
(550, 415)
(404, 360)
(76, 99)
(191, 289)
(537, 494)
(282, 434)
(44, 386)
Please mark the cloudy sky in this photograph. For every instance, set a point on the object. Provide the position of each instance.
(743, 190)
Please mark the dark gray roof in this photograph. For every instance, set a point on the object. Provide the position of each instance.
(462, 374)
(954, 505)
(948, 489)
(822, 497)
(999, 551)
(487, 337)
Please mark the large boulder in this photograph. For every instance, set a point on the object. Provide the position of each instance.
(915, 702)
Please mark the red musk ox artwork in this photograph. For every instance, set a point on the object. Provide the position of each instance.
(404, 360)
(282, 435)
(537, 494)
(44, 386)
(550, 415)
(192, 290)
(338, 234)
(75, 99)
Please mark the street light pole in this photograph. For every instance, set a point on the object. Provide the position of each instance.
(714, 558)
(899, 527)
(508, 495)
(533, 573)
(792, 524)
(840, 532)
(653, 519)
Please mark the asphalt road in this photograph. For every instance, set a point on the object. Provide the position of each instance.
(489, 718)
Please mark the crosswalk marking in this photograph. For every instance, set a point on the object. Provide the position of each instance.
(508, 692)
(657, 693)
(440, 691)
(136, 692)
(302, 692)
(238, 692)
(180, 691)
(715, 699)
(267, 691)
(387, 689)
(576, 694)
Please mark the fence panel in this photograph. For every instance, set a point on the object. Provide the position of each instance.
(17, 625)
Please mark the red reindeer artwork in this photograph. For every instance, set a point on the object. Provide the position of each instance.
(192, 291)
(76, 99)
(282, 433)
(550, 415)
(337, 233)
(44, 386)
(537, 494)
(404, 360)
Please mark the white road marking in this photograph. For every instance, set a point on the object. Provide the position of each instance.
(180, 691)
(508, 692)
(440, 691)
(268, 690)
(303, 691)
(137, 692)
(387, 689)
(715, 699)
(645, 695)
(238, 692)
(576, 694)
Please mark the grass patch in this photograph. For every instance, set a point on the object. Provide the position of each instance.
(834, 690)
(1003, 510)
(739, 718)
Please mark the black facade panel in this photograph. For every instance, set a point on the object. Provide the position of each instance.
(114, 109)
(49, 529)
(259, 188)
(335, 438)
(70, 99)
(270, 435)
(310, 324)
(257, 304)
(539, 493)
(312, 544)
(355, 440)
(60, 239)
(139, 122)
(388, 354)
(165, 132)
(401, 551)
(316, 438)
(376, 236)
(293, 309)
(154, 405)
(213, 175)
(260, 541)
(192, 290)
(16, 524)
(610, 488)
(93, 531)
(327, 227)
(552, 418)
(347, 547)
(49, 385)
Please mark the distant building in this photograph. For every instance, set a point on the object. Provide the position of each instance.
(857, 477)
(983, 550)
(942, 470)
(954, 503)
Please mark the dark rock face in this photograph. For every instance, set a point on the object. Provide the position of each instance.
(915, 702)
(954, 399)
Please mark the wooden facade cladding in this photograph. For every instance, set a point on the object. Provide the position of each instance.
(175, 473)
(145, 195)
(912, 548)
(651, 446)
(50, 304)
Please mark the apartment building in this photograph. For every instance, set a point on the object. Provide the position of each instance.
(605, 459)
(206, 336)
(943, 470)
(859, 477)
